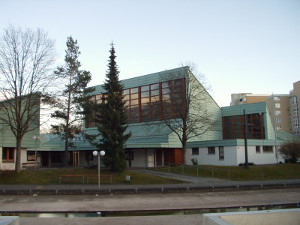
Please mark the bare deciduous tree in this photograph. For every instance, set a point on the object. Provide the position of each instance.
(195, 114)
(290, 151)
(26, 57)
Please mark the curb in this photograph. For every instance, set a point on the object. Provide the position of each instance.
(145, 190)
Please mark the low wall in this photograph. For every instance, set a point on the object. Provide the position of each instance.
(274, 217)
(9, 220)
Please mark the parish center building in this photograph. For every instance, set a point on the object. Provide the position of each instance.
(152, 98)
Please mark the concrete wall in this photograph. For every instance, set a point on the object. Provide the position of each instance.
(272, 217)
(213, 159)
(12, 165)
(233, 156)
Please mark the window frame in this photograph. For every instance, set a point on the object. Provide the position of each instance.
(8, 154)
(211, 150)
(195, 151)
(266, 149)
(221, 153)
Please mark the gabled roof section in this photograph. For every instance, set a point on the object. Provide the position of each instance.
(148, 79)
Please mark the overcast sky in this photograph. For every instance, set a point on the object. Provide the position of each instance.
(239, 45)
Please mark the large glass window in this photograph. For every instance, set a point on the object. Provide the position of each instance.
(233, 126)
(151, 102)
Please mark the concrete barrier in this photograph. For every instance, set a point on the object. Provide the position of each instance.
(9, 220)
(274, 217)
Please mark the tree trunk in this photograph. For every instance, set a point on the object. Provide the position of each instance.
(18, 155)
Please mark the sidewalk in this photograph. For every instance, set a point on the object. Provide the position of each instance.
(193, 184)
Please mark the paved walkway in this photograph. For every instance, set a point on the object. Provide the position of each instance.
(189, 179)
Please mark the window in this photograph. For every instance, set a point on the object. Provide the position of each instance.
(233, 126)
(151, 102)
(276, 98)
(195, 151)
(8, 154)
(278, 120)
(277, 112)
(221, 153)
(257, 149)
(277, 105)
(30, 156)
(211, 150)
(267, 149)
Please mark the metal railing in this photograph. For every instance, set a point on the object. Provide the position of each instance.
(191, 170)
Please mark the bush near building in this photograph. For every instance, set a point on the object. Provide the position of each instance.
(290, 151)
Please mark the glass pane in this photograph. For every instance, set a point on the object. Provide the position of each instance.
(154, 86)
(134, 96)
(145, 88)
(155, 92)
(165, 85)
(145, 94)
(134, 102)
(165, 90)
(144, 100)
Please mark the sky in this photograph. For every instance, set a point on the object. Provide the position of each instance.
(239, 46)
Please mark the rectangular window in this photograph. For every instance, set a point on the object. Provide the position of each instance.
(8, 154)
(30, 156)
(257, 149)
(195, 151)
(277, 105)
(278, 120)
(276, 98)
(211, 150)
(277, 112)
(221, 153)
(233, 126)
(267, 149)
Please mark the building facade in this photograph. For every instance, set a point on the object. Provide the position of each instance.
(150, 100)
(283, 108)
(246, 122)
(294, 109)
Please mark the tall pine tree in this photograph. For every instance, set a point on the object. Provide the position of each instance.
(74, 101)
(112, 120)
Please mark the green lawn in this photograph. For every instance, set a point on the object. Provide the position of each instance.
(266, 172)
(51, 176)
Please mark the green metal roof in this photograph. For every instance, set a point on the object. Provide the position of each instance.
(149, 79)
(144, 135)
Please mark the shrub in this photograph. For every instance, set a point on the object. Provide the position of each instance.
(195, 162)
(290, 151)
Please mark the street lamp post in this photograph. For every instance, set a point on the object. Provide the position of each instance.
(99, 153)
(245, 139)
